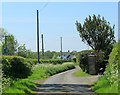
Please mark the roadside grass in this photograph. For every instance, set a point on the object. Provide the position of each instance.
(42, 71)
(39, 72)
(76, 64)
(103, 86)
(109, 82)
(21, 86)
(80, 73)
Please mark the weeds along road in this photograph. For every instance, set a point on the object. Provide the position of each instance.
(66, 83)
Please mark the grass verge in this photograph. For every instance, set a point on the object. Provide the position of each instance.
(80, 73)
(103, 86)
(21, 86)
(39, 72)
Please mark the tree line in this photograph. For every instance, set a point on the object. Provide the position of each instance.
(13, 48)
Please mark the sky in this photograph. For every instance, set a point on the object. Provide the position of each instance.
(57, 19)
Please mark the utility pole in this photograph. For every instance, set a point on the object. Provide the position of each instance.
(42, 45)
(61, 47)
(5, 50)
(38, 36)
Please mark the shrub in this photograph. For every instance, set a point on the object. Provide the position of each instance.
(16, 67)
(41, 71)
(74, 60)
(82, 59)
(108, 83)
(100, 62)
(111, 72)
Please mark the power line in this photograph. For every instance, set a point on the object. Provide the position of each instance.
(43, 6)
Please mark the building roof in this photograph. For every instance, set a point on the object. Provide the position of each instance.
(63, 53)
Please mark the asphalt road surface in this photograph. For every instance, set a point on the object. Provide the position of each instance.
(66, 83)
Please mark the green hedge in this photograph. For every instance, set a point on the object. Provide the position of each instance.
(111, 72)
(52, 61)
(82, 59)
(16, 66)
(19, 67)
(42, 71)
(108, 83)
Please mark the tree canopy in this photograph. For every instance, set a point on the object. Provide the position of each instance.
(11, 44)
(97, 33)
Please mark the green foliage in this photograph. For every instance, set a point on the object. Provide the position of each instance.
(5, 82)
(28, 54)
(108, 83)
(11, 44)
(16, 66)
(73, 52)
(80, 73)
(21, 86)
(42, 71)
(98, 33)
(100, 62)
(73, 60)
(111, 72)
(19, 67)
(50, 61)
(104, 86)
(82, 59)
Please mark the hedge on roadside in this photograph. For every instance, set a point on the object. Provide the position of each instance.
(20, 67)
(16, 67)
(82, 59)
(108, 83)
(52, 61)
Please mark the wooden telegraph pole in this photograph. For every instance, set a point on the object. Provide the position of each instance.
(38, 36)
(5, 49)
(42, 45)
(61, 47)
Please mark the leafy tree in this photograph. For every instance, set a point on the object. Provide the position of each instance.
(29, 53)
(22, 51)
(12, 44)
(97, 33)
(34, 55)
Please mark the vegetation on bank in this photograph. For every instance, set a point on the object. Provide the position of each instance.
(80, 73)
(108, 83)
(39, 72)
(99, 35)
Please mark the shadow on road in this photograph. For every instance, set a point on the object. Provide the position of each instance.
(61, 88)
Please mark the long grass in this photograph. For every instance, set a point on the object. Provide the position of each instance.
(80, 73)
(108, 83)
(103, 86)
(21, 86)
(40, 72)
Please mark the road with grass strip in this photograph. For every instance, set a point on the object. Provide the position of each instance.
(67, 83)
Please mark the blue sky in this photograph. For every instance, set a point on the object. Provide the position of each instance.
(56, 19)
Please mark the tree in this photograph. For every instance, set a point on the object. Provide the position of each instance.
(22, 51)
(12, 44)
(97, 32)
